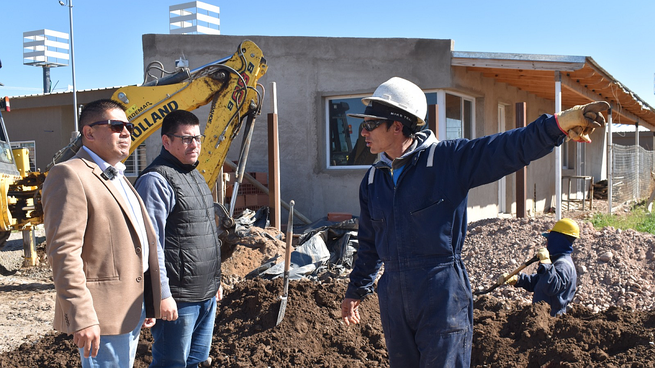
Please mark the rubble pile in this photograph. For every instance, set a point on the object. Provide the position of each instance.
(615, 267)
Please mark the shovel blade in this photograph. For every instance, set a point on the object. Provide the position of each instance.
(283, 308)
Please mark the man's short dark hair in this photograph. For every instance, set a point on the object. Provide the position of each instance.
(173, 120)
(93, 110)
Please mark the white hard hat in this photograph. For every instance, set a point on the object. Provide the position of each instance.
(401, 94)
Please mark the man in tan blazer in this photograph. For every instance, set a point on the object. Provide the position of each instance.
(101, 244)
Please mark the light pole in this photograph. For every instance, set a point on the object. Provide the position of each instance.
(70, 17)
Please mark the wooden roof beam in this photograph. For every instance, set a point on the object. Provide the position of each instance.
(581, 91)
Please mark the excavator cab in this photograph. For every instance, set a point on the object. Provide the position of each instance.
(7, 163)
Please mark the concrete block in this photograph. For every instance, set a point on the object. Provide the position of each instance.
(251, 200)
(262, 200)
(262, 177)
(240, 202)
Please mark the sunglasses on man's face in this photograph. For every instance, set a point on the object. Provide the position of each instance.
(370, 125)
(187, 139)
(116, 126)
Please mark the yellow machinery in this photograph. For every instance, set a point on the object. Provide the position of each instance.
(19, 191)
(229, 84)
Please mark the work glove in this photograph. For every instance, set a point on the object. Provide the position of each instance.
(580, 121)
(504, 279)
(544, 256)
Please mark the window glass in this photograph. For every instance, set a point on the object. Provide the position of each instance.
(346, 145)
(6, 155)
(31, 147)
(431, 97)
(459, 117)
(136, 162)
(568, 155)
(468, 118)
(453, 117)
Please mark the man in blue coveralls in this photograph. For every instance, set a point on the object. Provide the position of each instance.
(413, 218)
(556, 279)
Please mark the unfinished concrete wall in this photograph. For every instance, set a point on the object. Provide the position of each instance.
(307, 70)
(310, 70)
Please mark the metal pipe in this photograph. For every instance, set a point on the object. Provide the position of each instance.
(46, 79)
(70, 18)
(558, 151)
(610, 170)
(637, 156)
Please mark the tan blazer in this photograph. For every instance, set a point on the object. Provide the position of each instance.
(94, 250)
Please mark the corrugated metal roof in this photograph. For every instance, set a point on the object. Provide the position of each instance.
(64, 92)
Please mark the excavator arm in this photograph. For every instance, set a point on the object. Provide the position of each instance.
(230, 85)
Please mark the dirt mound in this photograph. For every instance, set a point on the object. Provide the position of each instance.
(527, 336)
(310, 335)
(611, 322)
(507, 334)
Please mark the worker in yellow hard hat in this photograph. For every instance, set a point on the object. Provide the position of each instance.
(556, 278)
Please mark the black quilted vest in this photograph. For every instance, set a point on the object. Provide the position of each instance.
(192, 248)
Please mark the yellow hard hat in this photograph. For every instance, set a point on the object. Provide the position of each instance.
(568, 227)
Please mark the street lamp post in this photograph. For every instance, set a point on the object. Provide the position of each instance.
(70, 17)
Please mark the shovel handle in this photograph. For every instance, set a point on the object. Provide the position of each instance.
(520, 268)
(287, 250)
(525, 264)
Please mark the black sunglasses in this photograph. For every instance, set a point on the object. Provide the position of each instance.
(370, 125)
(116, 126)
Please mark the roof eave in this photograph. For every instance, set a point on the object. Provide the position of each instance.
(518, 61)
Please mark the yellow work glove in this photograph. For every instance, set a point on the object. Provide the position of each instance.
(503, 279)
(544, 256)
(580, 121)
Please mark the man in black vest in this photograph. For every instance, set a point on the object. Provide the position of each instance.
(181, 208)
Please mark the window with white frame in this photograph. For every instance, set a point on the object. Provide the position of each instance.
(346, 147)
(458, 116)
(31, 147)
(136, 162)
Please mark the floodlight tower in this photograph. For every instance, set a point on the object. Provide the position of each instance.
(45, 48)
(195, 17)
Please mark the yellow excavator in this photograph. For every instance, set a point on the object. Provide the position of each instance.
(230, 85)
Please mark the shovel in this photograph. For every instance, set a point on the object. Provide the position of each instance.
(525, 264)
(287, 261)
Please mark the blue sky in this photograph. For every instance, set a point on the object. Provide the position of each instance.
(619, 36)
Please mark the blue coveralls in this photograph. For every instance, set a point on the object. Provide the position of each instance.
(416, 227)
(554, 283)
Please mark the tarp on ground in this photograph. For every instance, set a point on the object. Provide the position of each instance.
(324, 245)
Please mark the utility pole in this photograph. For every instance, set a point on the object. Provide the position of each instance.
(72, 43)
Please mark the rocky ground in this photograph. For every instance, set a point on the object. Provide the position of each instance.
(611, 322)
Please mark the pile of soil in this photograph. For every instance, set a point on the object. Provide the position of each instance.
(611, 322)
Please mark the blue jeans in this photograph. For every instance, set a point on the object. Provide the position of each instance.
(115, 350)
(186, 341)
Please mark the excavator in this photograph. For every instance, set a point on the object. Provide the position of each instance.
(230, 85)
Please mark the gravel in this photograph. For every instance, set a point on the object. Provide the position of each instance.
(615, 267)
